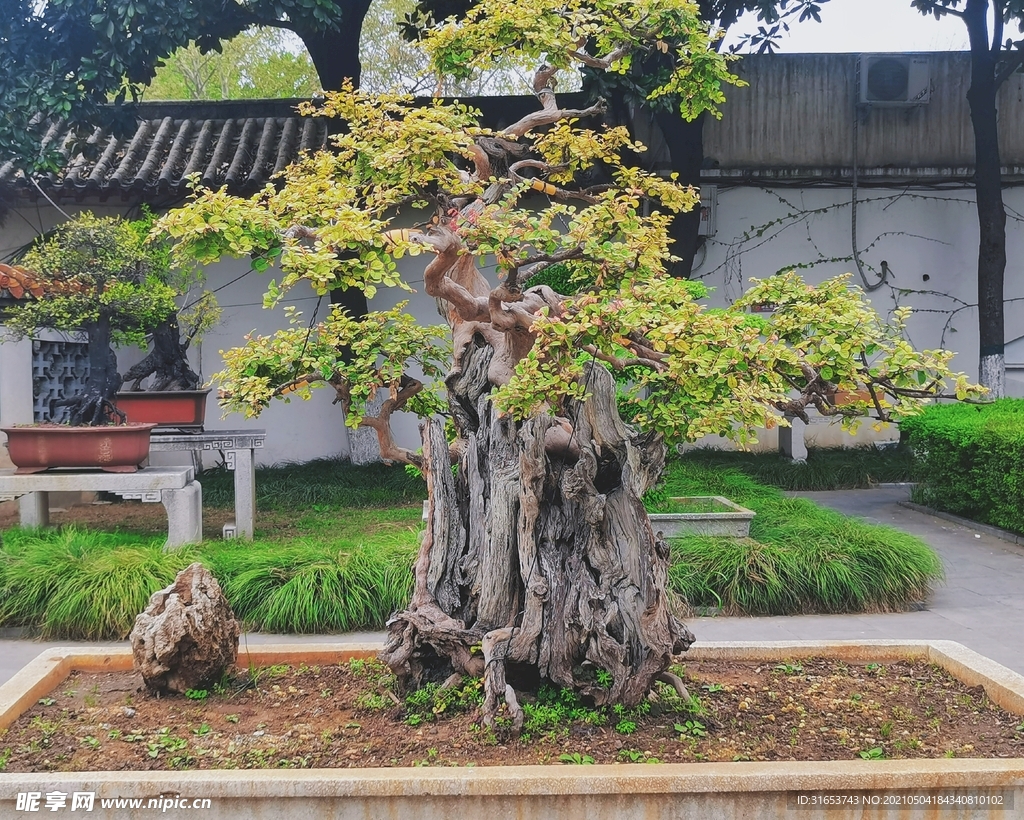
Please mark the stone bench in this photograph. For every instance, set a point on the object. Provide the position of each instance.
(174, 487)
(239, 447)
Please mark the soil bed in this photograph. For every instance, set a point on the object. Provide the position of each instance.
(350, 716)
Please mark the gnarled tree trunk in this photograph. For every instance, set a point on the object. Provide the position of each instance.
(539, 561)
(95, 404)
(167, 362)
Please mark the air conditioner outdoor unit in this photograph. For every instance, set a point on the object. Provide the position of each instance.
(895, 79)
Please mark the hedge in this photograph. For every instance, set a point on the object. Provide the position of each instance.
(969, 459)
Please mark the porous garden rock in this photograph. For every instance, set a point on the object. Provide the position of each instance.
(188, 636)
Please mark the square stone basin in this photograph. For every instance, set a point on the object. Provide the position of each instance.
(703, 515)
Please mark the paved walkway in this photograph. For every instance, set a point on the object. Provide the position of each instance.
(981, 604)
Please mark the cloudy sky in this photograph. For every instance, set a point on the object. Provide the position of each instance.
(870, 25)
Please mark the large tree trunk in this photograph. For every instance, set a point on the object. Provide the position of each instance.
(538, 566)
(95, 404)
(685, 141)
(988, 186)
(335, 54)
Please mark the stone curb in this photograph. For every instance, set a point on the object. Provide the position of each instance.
(988, 529)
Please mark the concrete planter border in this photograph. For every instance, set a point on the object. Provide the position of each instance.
(732, 522)
(734, 791)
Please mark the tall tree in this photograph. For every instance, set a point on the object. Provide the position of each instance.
(539, 561)
(993, 60)
(259, 63)
(67, 58)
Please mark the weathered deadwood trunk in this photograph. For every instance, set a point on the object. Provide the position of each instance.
(167, 362)
(539, 562)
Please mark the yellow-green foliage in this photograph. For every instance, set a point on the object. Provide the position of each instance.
(617, 31)
(92, 268)
(689, 371)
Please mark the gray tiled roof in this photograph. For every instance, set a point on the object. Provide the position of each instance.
(240, 144)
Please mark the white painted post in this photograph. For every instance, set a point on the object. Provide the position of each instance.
(184, 515)
(791, 440)
(245, 493)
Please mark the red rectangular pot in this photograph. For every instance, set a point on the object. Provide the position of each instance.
(113, 448)
(166, 408)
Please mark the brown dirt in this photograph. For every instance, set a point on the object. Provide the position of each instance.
(350, 716)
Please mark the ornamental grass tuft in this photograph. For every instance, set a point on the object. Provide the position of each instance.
(799, 557)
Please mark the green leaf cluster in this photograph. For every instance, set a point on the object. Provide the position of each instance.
(357, 357)
(690, 72)
(94, 269)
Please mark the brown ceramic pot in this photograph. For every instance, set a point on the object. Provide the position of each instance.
(113, 448)
(166, 408)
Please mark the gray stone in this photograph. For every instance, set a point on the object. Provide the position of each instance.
(188, 636)
(730, 520)
(238, 447)
(174, 487)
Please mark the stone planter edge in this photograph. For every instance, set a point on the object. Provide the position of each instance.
(732, 524)
(731, 790)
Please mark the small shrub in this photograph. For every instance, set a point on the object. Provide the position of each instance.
(969, 460)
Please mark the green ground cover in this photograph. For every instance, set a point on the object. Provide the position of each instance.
(343, 560)
(847, 468)
(800, 557)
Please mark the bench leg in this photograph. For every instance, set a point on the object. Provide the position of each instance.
(34, 510)
(184, 515)
(791, 440)
(245, 494)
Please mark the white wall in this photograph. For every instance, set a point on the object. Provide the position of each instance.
(297, 430)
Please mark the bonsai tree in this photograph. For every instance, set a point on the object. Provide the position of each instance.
(167, 362)
(97, 276)
(539, 561)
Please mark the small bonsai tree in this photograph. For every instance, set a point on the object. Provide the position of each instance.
(539, 561)
(167, 361)
(97, 276)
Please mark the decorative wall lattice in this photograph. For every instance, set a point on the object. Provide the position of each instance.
(59, 369)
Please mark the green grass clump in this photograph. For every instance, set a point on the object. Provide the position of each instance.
(315, 586)
(799, 558)
(76, 584)
(846, 468)
(338, 568)
(327, 483)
